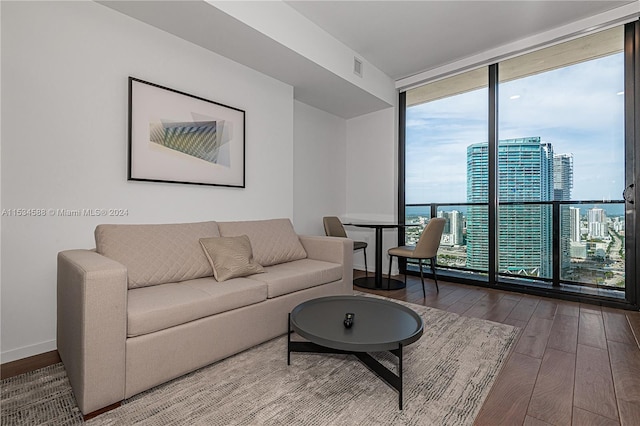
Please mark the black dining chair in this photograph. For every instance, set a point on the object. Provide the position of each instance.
(333, 228)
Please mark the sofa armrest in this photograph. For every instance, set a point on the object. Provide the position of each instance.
(332, 249)
(92, 326)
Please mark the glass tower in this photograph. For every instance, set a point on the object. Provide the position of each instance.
(562, 176)
(478, 216)
(525, 174)
(562, 185)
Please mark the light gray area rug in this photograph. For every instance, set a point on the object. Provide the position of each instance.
(447, 375)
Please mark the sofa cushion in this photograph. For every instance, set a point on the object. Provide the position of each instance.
(273, 241)
(157, 254)
(230, 257)
(155, 308)
(298, 275)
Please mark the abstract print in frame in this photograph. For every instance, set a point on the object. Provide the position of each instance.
(176, 137)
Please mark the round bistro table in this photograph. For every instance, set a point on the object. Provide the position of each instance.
(376, 282)
(379, 325)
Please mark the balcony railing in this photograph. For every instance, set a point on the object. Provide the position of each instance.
(573, 243)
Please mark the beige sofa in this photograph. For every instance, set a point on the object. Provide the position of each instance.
(143, 307)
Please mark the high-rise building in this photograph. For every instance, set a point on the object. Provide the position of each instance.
(574, 214)
(477, 216)
(452, 235)
(562, 176)
(562, 185)
(571, 244)
(597, 223)
(525, 174)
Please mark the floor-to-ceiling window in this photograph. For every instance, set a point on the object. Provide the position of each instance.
(558, 159)
(565, 105)
(443, 122)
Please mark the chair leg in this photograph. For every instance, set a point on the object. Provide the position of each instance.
(389, 276)
(433, 270)
(366, 269)
(424, 294)
(405, 271)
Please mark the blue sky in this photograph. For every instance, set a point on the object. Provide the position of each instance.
(577, 108)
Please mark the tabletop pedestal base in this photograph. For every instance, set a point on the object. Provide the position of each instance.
(370, 283)
(392, 379)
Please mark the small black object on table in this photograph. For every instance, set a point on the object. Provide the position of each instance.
(381, 325)
(348, 319)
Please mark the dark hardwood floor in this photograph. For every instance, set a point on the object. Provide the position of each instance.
(573, 364)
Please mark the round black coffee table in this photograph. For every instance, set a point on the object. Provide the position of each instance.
(378, 325)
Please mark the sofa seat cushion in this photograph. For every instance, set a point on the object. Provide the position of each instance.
(298, 275)
(157, 254)
(155, 308)
(273, 241)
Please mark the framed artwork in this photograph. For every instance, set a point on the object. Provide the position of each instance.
(175, 137)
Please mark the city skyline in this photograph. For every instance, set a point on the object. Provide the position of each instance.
(591, 246)
(530, 171)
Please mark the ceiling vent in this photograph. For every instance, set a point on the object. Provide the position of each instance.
(357, 67)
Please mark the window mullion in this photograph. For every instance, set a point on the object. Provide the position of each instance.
(493, 173)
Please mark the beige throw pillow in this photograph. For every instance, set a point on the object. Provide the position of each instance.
(273, 241)
(230, 257)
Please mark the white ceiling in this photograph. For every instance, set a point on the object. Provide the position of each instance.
(403, 38)
(400, 38)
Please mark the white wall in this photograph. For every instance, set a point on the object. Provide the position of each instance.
(64, 144)
(346, 168)
(372, 181)
(319, 168)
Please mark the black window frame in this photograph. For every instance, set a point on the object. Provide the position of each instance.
(632, 220)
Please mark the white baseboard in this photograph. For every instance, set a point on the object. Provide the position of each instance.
(27, 351)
